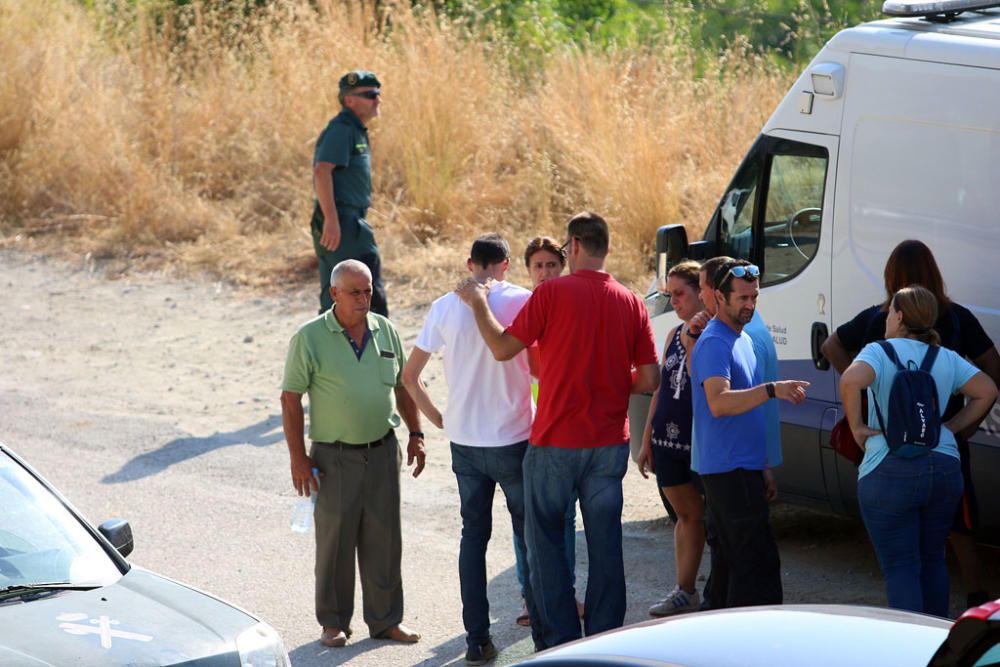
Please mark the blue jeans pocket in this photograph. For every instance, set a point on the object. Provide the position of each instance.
(610, 461)
(508, 461)
(461, 460)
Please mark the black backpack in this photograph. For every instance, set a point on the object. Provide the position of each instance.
(914, 413)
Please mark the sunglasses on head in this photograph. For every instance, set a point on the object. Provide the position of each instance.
(748, 272)
(368, 94)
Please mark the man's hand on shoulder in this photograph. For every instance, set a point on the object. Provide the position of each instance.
(415, 451)
(697, 324)
(471, 290)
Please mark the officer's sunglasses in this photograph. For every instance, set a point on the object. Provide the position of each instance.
(368, 94)
(748, 272)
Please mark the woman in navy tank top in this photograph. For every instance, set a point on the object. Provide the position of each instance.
(666, 447)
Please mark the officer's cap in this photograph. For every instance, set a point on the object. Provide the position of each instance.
(359, 79)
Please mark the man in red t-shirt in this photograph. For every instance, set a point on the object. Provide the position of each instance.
(592, 332)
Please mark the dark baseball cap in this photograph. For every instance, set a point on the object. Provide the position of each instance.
(359, 79)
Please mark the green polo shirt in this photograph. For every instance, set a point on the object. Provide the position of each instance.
(344, 143)
(350, 399)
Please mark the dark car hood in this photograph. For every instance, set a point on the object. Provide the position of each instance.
(142, 619)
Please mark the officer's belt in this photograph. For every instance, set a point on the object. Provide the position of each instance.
(359, 211)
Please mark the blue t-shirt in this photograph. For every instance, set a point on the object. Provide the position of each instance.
(726, 443)
(767, 361)
(950, 372)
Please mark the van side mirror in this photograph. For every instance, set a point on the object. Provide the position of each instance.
(119, 534)
(671, 248)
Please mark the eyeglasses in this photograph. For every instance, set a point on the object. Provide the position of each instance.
(562, 248)
(748, 272)
(367, 94)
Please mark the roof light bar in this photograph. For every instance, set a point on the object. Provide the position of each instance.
(939, 8)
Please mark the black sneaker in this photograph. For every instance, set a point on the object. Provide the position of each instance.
(481, 654)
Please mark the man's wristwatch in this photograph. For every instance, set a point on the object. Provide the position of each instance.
(770, 389)
(416, 434)
(691, 334)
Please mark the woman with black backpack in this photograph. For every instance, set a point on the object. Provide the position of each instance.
(910, 480)
(912, 263)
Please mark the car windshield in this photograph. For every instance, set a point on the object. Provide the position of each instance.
(40, 540)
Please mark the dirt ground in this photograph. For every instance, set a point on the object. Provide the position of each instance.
(156, 400)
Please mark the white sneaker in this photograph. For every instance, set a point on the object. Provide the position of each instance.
(677, 602)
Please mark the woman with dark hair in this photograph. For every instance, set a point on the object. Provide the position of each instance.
(666, 446)
(907, 503)
(912, 263)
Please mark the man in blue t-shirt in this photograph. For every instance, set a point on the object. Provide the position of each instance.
(729, 420)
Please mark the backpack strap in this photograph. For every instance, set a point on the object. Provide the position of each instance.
(891, 353)
(878, 415)
(929, 357)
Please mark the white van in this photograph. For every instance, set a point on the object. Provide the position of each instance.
(892, 132)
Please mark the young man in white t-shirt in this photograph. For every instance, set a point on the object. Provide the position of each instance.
(487, 420)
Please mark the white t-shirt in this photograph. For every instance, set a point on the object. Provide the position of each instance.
(489, 401)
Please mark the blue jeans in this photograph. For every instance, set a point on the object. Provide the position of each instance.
(478, 471)
(552, 476)
(908, 506)
(570, 548)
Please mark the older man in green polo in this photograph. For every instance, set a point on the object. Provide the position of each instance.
(349, 361)
(342, 180)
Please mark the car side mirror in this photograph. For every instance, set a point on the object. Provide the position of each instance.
(119, 534)
(671, 248)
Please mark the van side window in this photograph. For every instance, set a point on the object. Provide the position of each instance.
(793, 212)
(735, 214)
(772, 211)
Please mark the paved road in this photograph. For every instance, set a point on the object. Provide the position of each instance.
(157, 401)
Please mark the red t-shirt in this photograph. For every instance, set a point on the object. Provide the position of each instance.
(590, 331)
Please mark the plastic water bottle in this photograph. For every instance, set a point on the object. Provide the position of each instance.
(302, 509)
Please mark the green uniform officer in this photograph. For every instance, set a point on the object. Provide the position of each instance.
(342, 179)
(349, 361)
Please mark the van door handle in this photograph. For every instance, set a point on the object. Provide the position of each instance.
(819, 335)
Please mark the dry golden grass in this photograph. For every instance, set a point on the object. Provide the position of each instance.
(116, 141)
